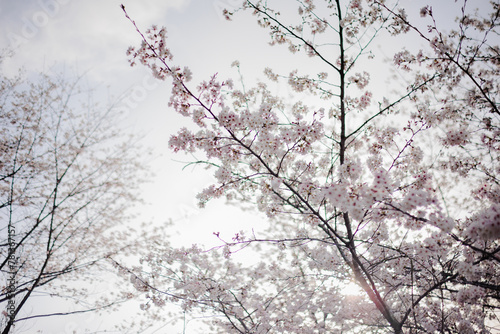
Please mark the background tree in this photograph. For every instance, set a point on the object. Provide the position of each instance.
(396, 191)
(68, 179)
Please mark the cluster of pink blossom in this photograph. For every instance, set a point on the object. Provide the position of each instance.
(337, 194)
(318, 26)
(364, 100)
(183, 141)
(485, 224)
(488, 192)
(351, 170)
(208, 194)
(403, 59)
(382, 184)
(223, 175)
(300, 83)
(360, 79)
(466, 295)
(416, 198)
(455, 137)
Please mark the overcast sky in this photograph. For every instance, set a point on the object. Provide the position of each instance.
(92, 36)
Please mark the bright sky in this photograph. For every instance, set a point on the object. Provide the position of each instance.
(92, 36)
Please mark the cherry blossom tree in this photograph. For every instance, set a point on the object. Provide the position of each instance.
(394, 191)
(67, 180)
